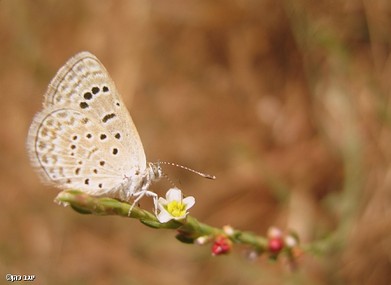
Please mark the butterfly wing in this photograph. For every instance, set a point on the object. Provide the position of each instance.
(84, 84)
(85, 138)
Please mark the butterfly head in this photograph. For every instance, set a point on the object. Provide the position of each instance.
(155, 171)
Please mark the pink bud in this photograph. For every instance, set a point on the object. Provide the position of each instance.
(221, 245)
(275, 244)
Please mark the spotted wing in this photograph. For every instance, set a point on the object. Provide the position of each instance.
(85, 138)
(83, 84)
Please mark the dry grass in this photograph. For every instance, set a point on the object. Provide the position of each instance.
(286, 102)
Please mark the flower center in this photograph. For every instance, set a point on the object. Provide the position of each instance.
(176, 208)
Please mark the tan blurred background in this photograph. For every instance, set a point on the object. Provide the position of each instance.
(286, 102)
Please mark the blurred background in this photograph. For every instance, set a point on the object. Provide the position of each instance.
(286, 102)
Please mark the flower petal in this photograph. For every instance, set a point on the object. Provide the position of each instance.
(174, 194)
(164, 216)
(163, 201)
(189, 202)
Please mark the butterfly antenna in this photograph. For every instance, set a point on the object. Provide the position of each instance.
(208, 176)
(169, 180)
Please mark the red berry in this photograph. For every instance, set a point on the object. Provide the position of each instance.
(275, 244)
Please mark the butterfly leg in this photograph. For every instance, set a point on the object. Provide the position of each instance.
(140, 195)
(155, 199)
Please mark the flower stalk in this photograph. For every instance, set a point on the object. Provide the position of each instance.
(189, 229)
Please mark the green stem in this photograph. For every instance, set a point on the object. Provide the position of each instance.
(189, 229)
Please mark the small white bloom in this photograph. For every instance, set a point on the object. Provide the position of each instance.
(228, 230)
(174, 207)
(202, 240)
(274, 232)
(290, 241)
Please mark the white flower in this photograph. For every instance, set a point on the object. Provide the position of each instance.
(174, 207)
